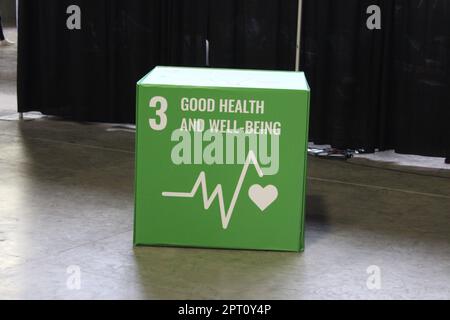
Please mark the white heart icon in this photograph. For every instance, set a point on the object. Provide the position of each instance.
(263, 197)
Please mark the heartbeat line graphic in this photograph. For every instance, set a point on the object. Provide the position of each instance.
(207, 201)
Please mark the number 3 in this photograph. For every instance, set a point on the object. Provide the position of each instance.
(161, 113)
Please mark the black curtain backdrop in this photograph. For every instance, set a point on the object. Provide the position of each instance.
(386, 89)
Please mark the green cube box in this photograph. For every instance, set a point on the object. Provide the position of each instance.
(221, 158)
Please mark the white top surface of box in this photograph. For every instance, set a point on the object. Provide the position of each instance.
(227, 78)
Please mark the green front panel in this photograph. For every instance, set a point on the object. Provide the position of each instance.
(164, 217)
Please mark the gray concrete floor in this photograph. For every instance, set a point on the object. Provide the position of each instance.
(66, 199)
(66, 205)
